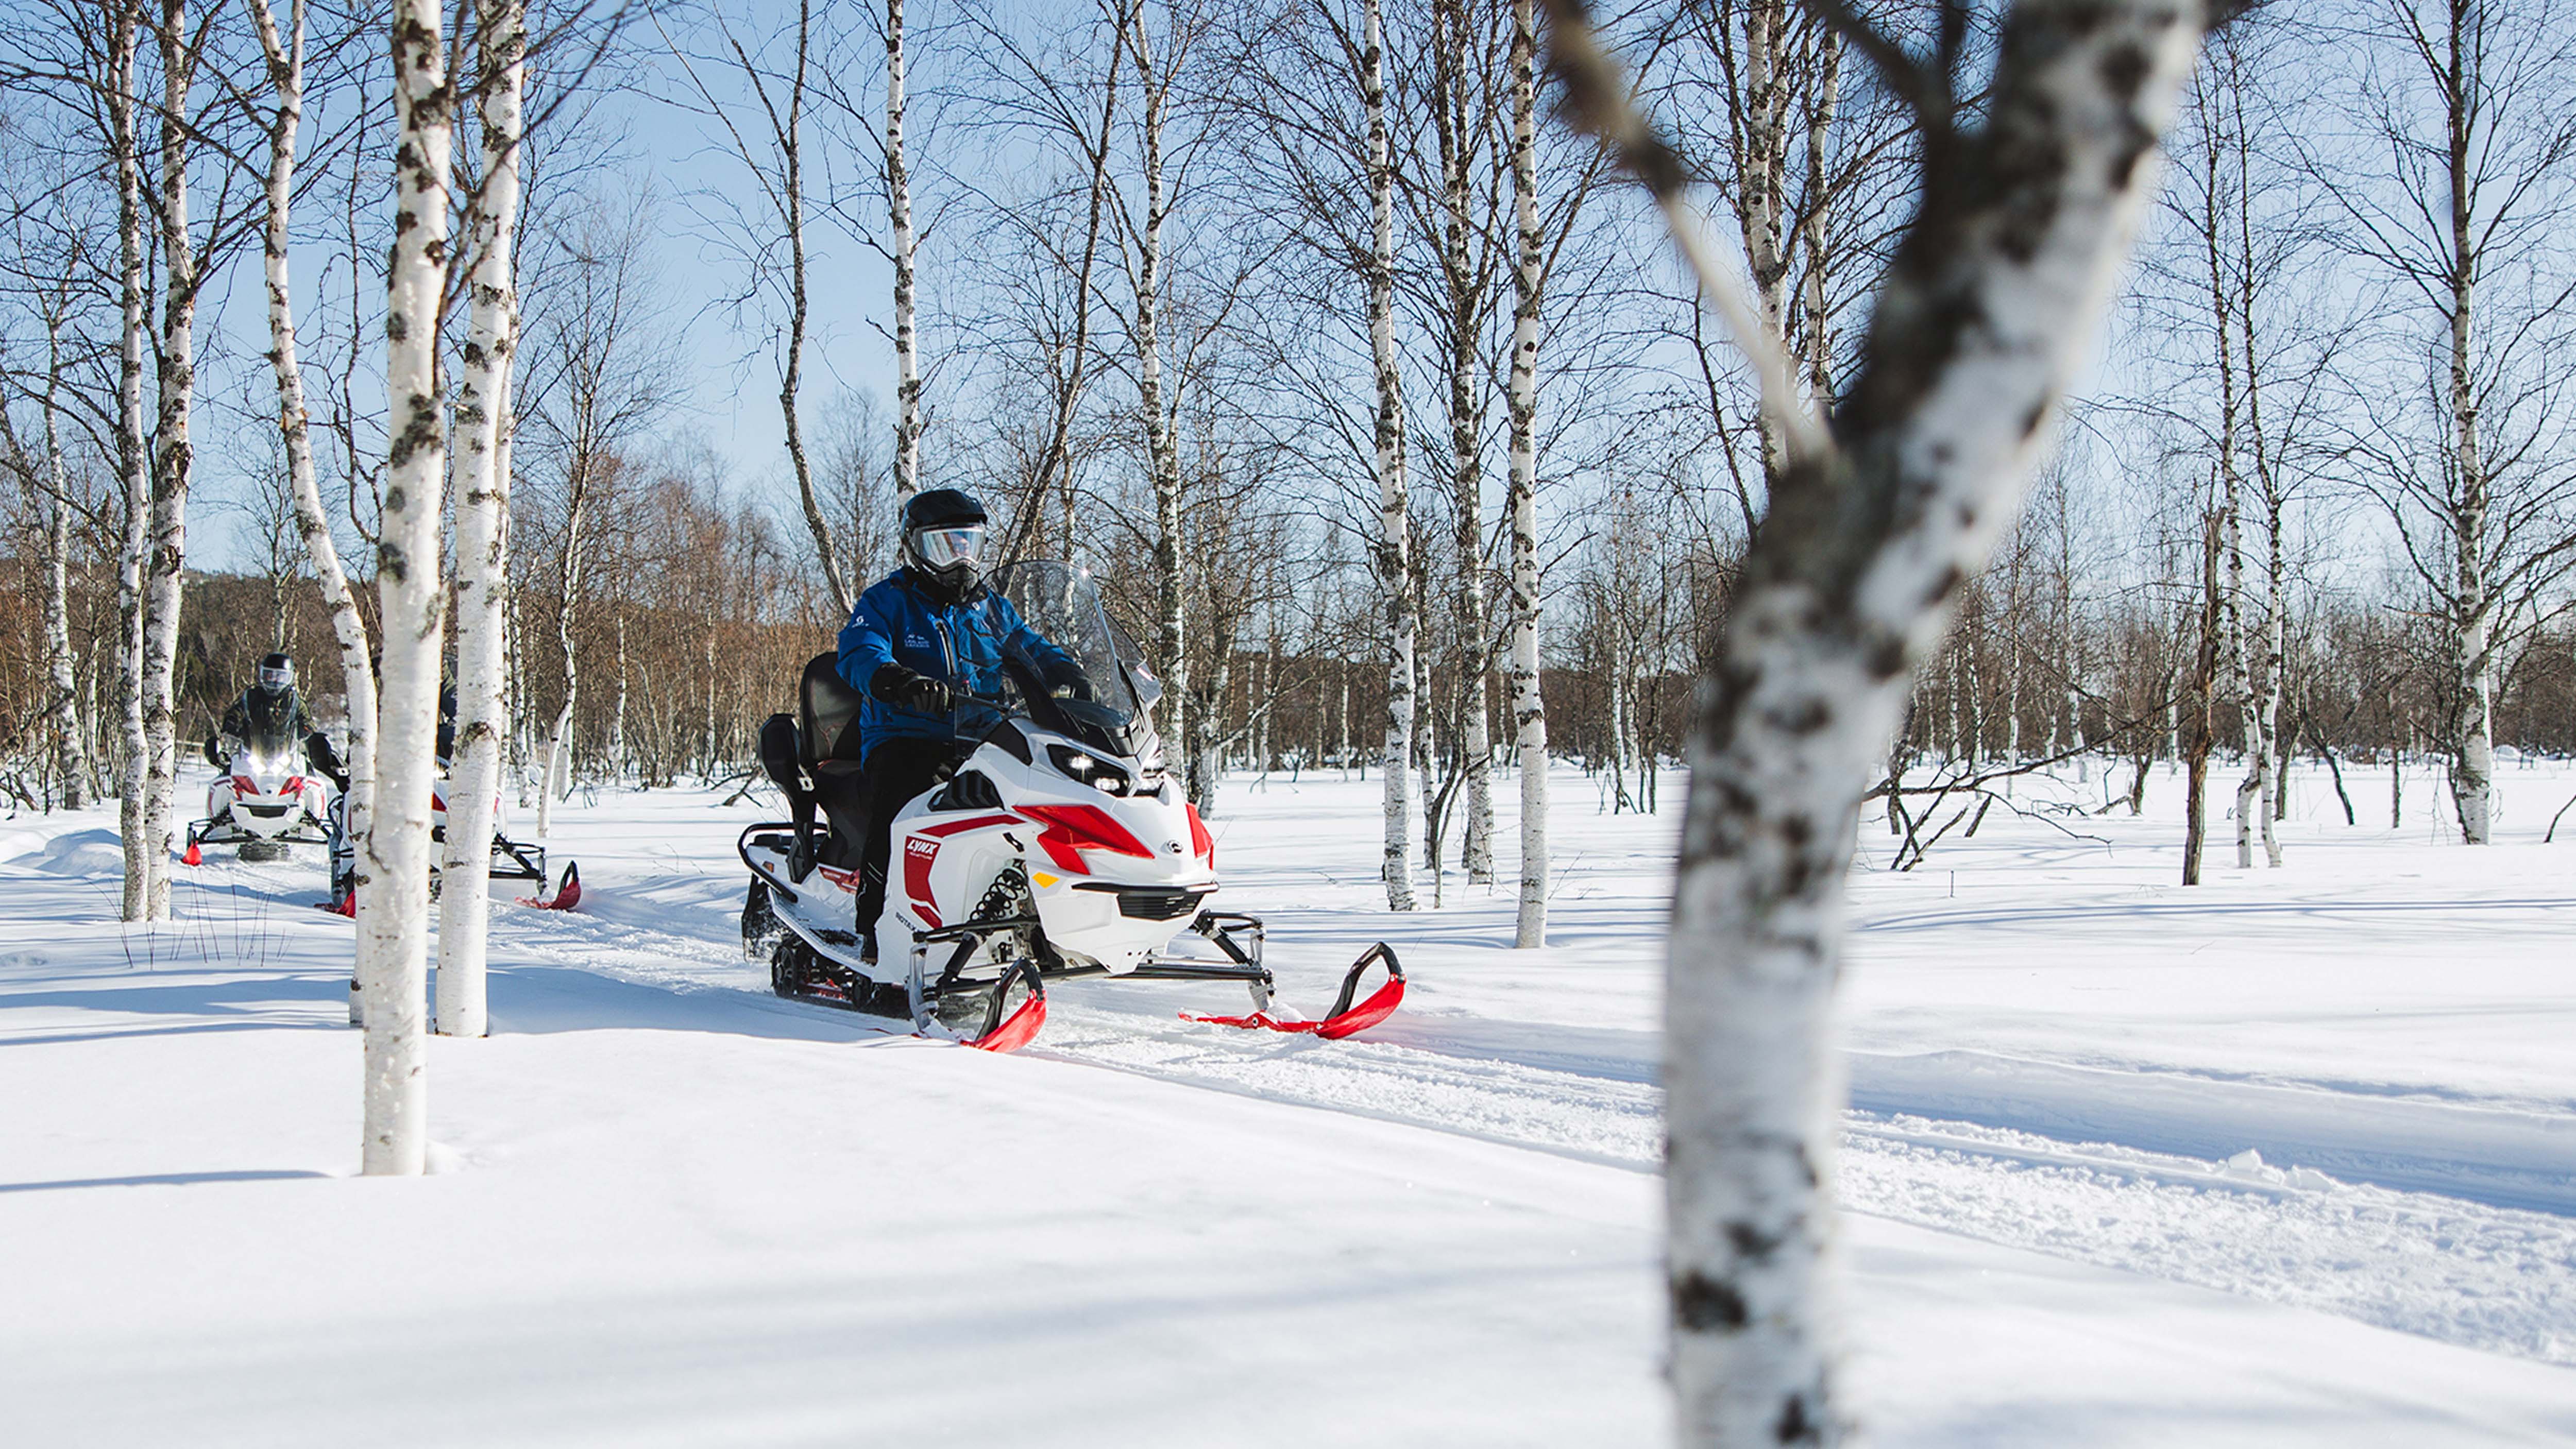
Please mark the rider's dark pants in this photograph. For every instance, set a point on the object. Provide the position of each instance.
(897, 770)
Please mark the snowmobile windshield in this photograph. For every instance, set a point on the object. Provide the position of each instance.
(1062, 603)
(268, 745)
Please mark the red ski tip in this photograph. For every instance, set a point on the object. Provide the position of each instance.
(1017, 1032)
(1346, 1019)
(194, 855)
(345, 906)
(567, 895)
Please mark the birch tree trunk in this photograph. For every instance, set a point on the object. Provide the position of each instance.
(285, 55)
(2237, 669)
(2472, 605)
(68, 752)
(1455, 120)
(2200, 725)
(1987, 306)
(907, 362)
(1161, 448)
(1394, 542)
(393, 858)
(792, 379)
(483, 427)
(617, 709)
(556, 780)
(1529, 708)
(174, 453)
(143, 869)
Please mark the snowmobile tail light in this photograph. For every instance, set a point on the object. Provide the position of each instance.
(1089, 769)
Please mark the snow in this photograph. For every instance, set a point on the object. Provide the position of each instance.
(2288, 1159)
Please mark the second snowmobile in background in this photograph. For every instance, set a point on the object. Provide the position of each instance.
(1059, 847)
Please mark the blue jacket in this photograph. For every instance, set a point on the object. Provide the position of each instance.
(962, 644)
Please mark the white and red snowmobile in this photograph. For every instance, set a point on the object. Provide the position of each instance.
(262, 801)
(1058, 847)
(511, 859)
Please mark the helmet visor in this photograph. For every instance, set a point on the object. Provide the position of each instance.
(276, 677)
(941, 547)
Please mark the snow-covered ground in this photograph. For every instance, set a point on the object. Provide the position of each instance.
(2286, 1159)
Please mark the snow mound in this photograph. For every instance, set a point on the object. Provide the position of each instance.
(94, 852)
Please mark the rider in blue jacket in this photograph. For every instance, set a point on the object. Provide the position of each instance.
(920, 642)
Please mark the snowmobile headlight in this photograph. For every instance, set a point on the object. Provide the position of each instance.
(1089, 769)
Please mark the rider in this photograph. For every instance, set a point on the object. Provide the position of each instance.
(271, 710)
(922, 640)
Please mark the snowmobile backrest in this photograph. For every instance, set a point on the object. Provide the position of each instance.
(827, 712)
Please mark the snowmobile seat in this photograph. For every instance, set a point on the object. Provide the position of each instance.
(828, 741)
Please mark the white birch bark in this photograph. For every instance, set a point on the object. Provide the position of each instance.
(907, 362)
(2472, 603)
(792, 378)
(285, 53)
(1162, 449)
(483, 425)
(1455, 120)
(1529, 708)
(143, 869)
(2237, 667)
(617, 708)
(174, 453)
(67, 753)
(1394, 541)
(393, 857)
(555, 780)
(2264, 702)
(1987, 308)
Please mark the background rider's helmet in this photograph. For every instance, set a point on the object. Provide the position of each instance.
(276, 674)
(944, 542)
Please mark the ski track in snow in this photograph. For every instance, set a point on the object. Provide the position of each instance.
(2496, 1278)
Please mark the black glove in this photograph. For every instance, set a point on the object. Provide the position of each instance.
(912, 690)
(214, 755)
(1065, 680)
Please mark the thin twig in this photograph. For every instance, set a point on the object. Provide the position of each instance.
(1596, 102)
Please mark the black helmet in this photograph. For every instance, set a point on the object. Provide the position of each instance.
(943, 542)
(276, 674)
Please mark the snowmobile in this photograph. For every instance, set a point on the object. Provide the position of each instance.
(1058, 847)
(262, 801)
(511, 860)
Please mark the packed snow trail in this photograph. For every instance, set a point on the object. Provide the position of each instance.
(2432, 1238)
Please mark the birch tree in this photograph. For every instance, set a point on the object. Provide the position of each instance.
(285, 52)
(393, 858)
(776, 164)
(1529, 708)
(602, 371)
(1144, 228)
(1462, 121)
(146, 869)
(483, 427)
(898, 182)
(173, 451)
(1883, 510)
(1392, 548)
(2460, 199)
